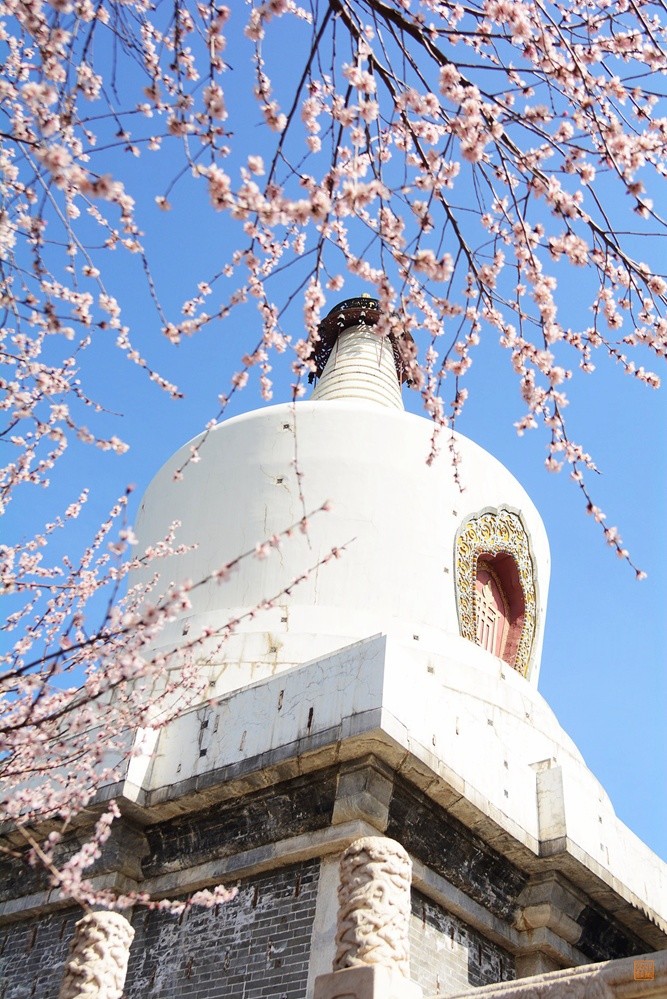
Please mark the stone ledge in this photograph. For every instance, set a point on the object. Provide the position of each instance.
(221, 870)
(41, 902)
(643, 977)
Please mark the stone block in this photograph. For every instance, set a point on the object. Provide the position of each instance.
(363, 793)
(550, 807)
(366, 982)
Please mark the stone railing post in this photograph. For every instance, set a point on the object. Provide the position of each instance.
(372, 949)
(98, 956)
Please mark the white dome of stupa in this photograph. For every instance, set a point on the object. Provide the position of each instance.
(410, 541)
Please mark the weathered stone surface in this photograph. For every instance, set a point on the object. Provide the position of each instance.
(461, 733)
(603, 938)
(123, 851)
(121, 854)
(366, 982)
(626, 978)
(363, 792)
(448, 956)
(374, 905)
(301, 805)
(33, 954)
(18, 878)
(255, 947)
(456, 853)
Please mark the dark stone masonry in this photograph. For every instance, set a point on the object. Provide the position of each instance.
(458, 855)
(301, 805)
(256, 946)
(447, 956)
(33, 953)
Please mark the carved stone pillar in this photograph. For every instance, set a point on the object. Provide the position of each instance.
(372, 948)
(98, 956)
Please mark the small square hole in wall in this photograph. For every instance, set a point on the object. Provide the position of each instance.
(279, 481)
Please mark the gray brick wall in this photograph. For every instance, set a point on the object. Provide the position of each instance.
(32, 955)
(447, 956)
(255, 947)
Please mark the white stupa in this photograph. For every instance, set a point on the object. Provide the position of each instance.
(417, 651)
(389, 692)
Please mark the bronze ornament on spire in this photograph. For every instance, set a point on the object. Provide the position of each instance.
(361, 311)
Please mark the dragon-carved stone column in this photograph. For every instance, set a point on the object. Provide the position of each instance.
(372, 950)
(98, 956)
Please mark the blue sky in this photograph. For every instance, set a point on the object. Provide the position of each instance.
(604, 654)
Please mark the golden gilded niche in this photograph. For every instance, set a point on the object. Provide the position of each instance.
(495, 543)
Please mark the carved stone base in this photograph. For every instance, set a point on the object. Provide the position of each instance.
(373, 981)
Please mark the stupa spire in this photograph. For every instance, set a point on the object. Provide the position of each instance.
(353, 360)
